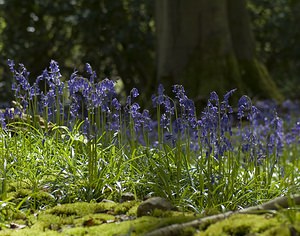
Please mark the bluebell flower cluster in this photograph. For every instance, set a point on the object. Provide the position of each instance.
(216, 125)
(260, 132)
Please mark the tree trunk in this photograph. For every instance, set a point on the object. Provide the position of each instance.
(208, 45)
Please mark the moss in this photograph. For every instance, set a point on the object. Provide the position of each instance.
(132, 211)
(26, 197)
(85, 219)
(257, 79)
(251, 224)
(279, 231)
(13, 186)
(161, 213)
(188, 231)
(22, 193)
(91, 218)
(81, 208)
(124, 207)
(42, 197)
(222, 73)
(104, 207)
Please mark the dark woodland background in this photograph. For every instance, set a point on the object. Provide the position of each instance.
(204, 45)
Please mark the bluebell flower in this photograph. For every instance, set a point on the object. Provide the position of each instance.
(179, 91)
(164, 102)
(136, 115)
(154, 100)
(179, 126)
(43, 77)
(229, 94)
(187, 109)
(116, 104)
(164, 121)
(181, 96)
(246, 109)
(54, 69)
(81, 93)
(160, 89)
(128, 103)
(253, 115)
(106, 88)
(225, 124)
(214, 97)
(147, 121)
(276, 139)
(24, 103)
(88, 68)
(292, 137)
(9, 113)
(72, 83)
(134, 92)
(54, 81)
(11, 65)
(193, 122)
(225, 106)
(134, 109)
(209, 118)
(85, 88)
(248, 140)
(244, 105)
(114, 123)
(217, 123)
(34, 91)
(75, 106)
(158, 100)
(15, 88)
(21, 77)
(2, 120)
(104, 94)
(86, 127)
(169, 107)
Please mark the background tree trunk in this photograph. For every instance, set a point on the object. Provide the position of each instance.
(208, 45)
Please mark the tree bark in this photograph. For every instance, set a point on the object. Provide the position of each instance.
(254, 74)
(177, 29)
(208, 45)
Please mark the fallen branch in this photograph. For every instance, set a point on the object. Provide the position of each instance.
(272, 205)
(275, 204)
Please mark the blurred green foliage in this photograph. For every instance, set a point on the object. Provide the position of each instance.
(115, 37)
(118, 39)
(277, 32)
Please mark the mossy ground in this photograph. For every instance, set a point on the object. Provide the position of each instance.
(107, 218)
(111, 218)
(252, 224)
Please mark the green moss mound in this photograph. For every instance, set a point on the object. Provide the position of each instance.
(105, 218)
(251, 224)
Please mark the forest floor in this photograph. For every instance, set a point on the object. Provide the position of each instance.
(120, 219)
